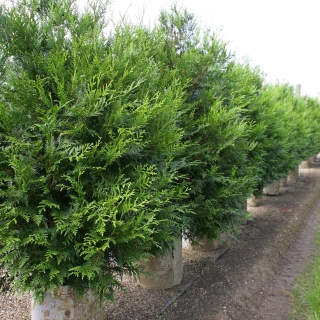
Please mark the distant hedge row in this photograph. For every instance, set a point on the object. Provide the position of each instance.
(113, 145)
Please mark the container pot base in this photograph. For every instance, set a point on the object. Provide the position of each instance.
(292, 177)
(273, 189)
(164, 270)
(64, 305)
(203, 245)
(305, 164)
(254, 201)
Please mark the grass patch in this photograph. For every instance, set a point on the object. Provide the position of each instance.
(306, 292)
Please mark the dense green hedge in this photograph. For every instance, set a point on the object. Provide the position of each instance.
(216, 123)
(90, 149)
(111, 146)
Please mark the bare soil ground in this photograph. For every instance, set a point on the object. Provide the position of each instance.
(250, 279)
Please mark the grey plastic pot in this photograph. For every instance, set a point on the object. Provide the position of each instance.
(64, 305)
(164, 270)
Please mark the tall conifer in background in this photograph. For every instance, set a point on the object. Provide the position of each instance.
(215, 124)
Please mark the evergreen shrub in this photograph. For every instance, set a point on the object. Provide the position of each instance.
(113, 145)
(90, 149)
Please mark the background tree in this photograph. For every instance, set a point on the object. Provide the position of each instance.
(214, 121)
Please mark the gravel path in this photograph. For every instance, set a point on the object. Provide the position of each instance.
(276, 303)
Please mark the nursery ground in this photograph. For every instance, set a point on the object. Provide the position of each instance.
(251, 278)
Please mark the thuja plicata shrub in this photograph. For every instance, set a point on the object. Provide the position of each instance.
(113, 144)
(288, 135)
(214, 123)
(90, 139)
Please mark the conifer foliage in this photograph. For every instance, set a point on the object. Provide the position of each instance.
(215, 124)
(89, 140)
(113, 145)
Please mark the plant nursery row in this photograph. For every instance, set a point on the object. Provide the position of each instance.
(115, 142)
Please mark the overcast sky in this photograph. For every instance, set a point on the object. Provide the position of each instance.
(280, 36)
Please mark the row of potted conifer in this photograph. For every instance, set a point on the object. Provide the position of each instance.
(113, 145)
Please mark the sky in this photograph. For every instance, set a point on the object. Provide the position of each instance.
(281, 37)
